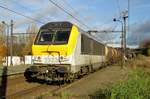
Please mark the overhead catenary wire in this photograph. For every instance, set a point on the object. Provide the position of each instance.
(65, 1)
(110, 20)
(27, 8)
(19, 4)
(33, 19)
(18, 13)
(118, 7)
(78, 13)
(64, 10)
(74, 10)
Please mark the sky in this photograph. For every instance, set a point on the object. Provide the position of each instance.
(96, 14)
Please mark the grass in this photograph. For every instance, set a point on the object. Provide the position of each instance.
(136, 86)
(139, 61)
(62, 95)
(65, 95)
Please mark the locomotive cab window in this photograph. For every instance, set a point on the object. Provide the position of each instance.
(61, 37)
(44, 37)
(52, 37)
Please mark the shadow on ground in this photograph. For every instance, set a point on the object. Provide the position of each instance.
(3, 83)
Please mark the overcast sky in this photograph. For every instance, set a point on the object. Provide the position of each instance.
(97, 14)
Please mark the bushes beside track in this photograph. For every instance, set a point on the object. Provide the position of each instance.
(135, 86)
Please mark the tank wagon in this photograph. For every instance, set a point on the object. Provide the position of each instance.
(63, 51)
(113, 55)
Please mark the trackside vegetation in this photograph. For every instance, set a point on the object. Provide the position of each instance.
(135, 86)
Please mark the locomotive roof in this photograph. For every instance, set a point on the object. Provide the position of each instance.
(68, 25)
(63, 24)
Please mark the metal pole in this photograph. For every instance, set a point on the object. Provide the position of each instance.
(124, 18)
(11, 44)
(125, 43)
(122, 46)
(7, 35)
(122, 41)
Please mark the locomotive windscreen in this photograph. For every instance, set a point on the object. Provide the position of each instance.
(46, 37)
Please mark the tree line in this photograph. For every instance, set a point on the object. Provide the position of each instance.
(19, 48)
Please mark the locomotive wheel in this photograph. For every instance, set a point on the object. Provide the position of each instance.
(29, 76)
(69, 78)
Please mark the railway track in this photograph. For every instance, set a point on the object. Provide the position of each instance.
(32, 92)
(27, 90)
(12, 75)
(57, 92)
(38, 90)
(19, 88)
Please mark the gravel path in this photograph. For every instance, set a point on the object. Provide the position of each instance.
(18, 88)
(83, 87)
(100, 79)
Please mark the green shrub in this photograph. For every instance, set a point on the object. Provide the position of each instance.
(65, 95)
(101, 94)
(137, 86)
(148, 51)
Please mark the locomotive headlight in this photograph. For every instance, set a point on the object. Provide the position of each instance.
(46, 71)
(63, 58)
(37, 59)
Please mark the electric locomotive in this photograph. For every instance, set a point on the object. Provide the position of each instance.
(63, 51)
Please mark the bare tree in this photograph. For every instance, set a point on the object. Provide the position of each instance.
(32, 30)
(3, 48)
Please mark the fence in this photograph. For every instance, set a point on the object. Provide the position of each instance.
(21, 46)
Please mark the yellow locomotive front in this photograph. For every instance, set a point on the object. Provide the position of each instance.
(53, 49)
(55, 43)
